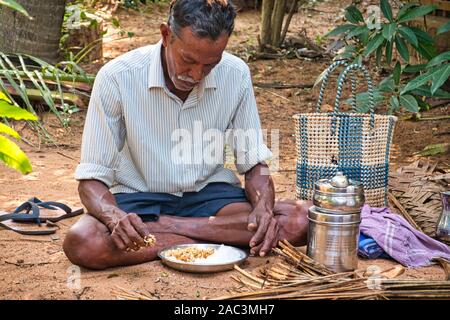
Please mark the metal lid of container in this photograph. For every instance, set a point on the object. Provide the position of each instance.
(339, 184)
(338, 195)
(320, 217)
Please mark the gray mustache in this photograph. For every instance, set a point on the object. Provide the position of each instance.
(187, 79)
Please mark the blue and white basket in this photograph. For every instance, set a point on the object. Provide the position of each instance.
(355, 143)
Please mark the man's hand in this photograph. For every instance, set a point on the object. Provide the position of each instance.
(129, 232)
(260, 192)
(262, 221)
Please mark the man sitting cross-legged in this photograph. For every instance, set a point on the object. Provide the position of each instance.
(148, 106)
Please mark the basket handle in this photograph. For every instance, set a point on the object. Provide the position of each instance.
(369, 90)
(326, 76)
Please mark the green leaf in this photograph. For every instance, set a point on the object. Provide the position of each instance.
(363, 101)
(93, 24)
(387, 10)
(394, 103)
(357, 31)
(389, 30)
(115, 22)
(427, 51)
(378, 55)
(373, 44)
(353, 15)
(344, 56)
(434, 149)
(358, 60)
(13, 156)
(340, 29)
(389, 46)
(409, 103)
(419, 81)
(425, 91)
(416, 13)
(409, 35)
(15, 6)
(9, 131)
(348, 54)
(414, 68)
(387, 85)
(402, 48)
(445, 56)
(363, 37)
(12, 111)
(397, 72)
(405, 8)
(441, 75)
(422, 36)
(423, 105)
(4, 97)
(444, 28)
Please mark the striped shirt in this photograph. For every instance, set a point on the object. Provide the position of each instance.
(140, 137)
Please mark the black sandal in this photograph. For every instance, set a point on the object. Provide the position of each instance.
(51, 210)
(31, 222)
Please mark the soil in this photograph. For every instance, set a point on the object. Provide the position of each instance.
(34, 267)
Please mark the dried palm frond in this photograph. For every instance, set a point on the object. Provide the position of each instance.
(414, 190)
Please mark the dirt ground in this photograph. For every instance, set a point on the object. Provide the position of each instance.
(36, 268)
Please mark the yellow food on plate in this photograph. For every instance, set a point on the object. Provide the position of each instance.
(189, 254)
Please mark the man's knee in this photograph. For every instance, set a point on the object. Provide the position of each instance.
(84, 246)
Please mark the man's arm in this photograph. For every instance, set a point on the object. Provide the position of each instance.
(100, 202)
(103, 139)
(251, 153)
(260, 191)
(127, 230)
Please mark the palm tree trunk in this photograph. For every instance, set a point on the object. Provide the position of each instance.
(38, 37)
(277, 21)
(266, 18)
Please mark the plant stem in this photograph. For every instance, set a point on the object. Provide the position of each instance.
(49, 76)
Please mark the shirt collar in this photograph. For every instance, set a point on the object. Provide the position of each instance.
(156, 73)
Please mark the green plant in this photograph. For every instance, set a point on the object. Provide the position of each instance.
(401, 90)
(23, 76)
(116, 24)
(28, 75)
(10, 152)
(15, 6)
(366, 39)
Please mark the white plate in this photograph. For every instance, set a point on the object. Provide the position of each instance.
(239, 256)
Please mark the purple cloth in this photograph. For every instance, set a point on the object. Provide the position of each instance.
(399, 239)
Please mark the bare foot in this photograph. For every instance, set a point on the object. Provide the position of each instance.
(292, 219)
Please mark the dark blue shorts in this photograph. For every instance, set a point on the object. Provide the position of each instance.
(205, 203)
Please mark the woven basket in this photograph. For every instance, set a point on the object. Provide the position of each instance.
(355, 143)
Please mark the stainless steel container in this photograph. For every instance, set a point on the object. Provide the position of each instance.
(334, 223)
(443, 224)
